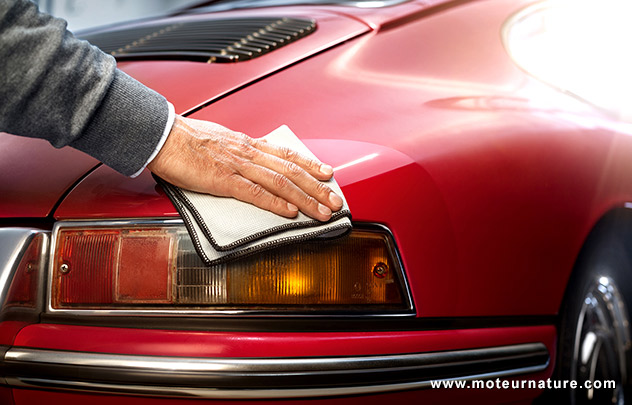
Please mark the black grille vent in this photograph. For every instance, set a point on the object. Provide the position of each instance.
(227, 40)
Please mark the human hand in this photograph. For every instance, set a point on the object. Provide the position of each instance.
(209, 158)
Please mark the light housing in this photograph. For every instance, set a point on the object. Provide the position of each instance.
(151, 266)
(24, 289)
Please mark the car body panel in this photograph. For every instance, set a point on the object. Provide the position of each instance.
(187, 86)
(106, 193)
(479, 396)
(232, 344)
(34, 175)
(188, 89)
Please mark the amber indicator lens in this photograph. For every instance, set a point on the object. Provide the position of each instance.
(158, 268)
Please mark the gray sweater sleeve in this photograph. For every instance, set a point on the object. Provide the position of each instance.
(62, 89)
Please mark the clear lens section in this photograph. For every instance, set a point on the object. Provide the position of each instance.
(158, 268)
(23, 289)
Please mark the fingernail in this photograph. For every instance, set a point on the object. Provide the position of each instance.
(326, 170)
(335, 199)
(324, 210)
(292, 207)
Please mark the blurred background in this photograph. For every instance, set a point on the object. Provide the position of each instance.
(82, 14)
(580, 47)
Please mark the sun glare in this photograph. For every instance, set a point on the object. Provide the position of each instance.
(580, 46)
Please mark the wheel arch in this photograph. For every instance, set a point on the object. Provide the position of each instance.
(607, 246)
(617, 224)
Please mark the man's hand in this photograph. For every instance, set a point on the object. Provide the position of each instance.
(209, 158)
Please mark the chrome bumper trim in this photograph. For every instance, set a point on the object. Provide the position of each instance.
(263, 378)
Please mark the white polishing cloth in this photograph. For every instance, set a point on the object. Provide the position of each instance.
(224, 228)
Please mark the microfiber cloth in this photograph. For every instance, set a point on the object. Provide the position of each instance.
(223, 228)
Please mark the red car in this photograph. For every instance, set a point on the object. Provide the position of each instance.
(491, 210)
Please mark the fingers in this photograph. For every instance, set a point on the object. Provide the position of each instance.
(282, 186)
(295, 184)
(318, 170)
(287, 176)
(253, 193)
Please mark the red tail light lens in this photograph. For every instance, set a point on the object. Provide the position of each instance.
(113, 267)
(141, 267)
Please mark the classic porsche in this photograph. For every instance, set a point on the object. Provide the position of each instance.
(492, 222)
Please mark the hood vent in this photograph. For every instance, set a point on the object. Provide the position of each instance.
(226, 40)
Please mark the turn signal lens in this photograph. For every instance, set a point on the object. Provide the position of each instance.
(157, 267)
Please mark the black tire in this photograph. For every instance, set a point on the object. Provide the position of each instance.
(594, 329)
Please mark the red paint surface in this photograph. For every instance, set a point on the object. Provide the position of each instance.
(108, 194)
(34, 175)
(190, 84)
(241, 344)
(8, 331)
(439, 396)
(6, 396)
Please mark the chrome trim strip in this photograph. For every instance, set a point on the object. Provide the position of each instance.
(212, 393)
(263, 377)
(276, 366)
(13, 244)
(201, 312)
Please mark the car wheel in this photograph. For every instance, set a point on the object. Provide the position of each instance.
(595, 343)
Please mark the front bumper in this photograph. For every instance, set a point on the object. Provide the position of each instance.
(262, 378)
(220, 362)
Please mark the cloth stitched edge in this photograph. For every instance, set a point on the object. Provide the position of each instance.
(202, 214)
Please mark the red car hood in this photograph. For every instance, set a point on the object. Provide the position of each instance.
(34, 176)
(190, 85)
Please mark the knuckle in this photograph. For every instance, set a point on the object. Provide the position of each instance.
(222, 171)
(256, 190)
(292, 169)
(322, 189)
(309, 201)
(278, 202)
(280, 181)
(244, 166)
(311, 164)
(232, 179)
(245, 149)
(252, 141)
(243, 137)
(288, 154)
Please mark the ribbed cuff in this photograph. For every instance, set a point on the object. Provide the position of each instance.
(127, 127)
(165, 134)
